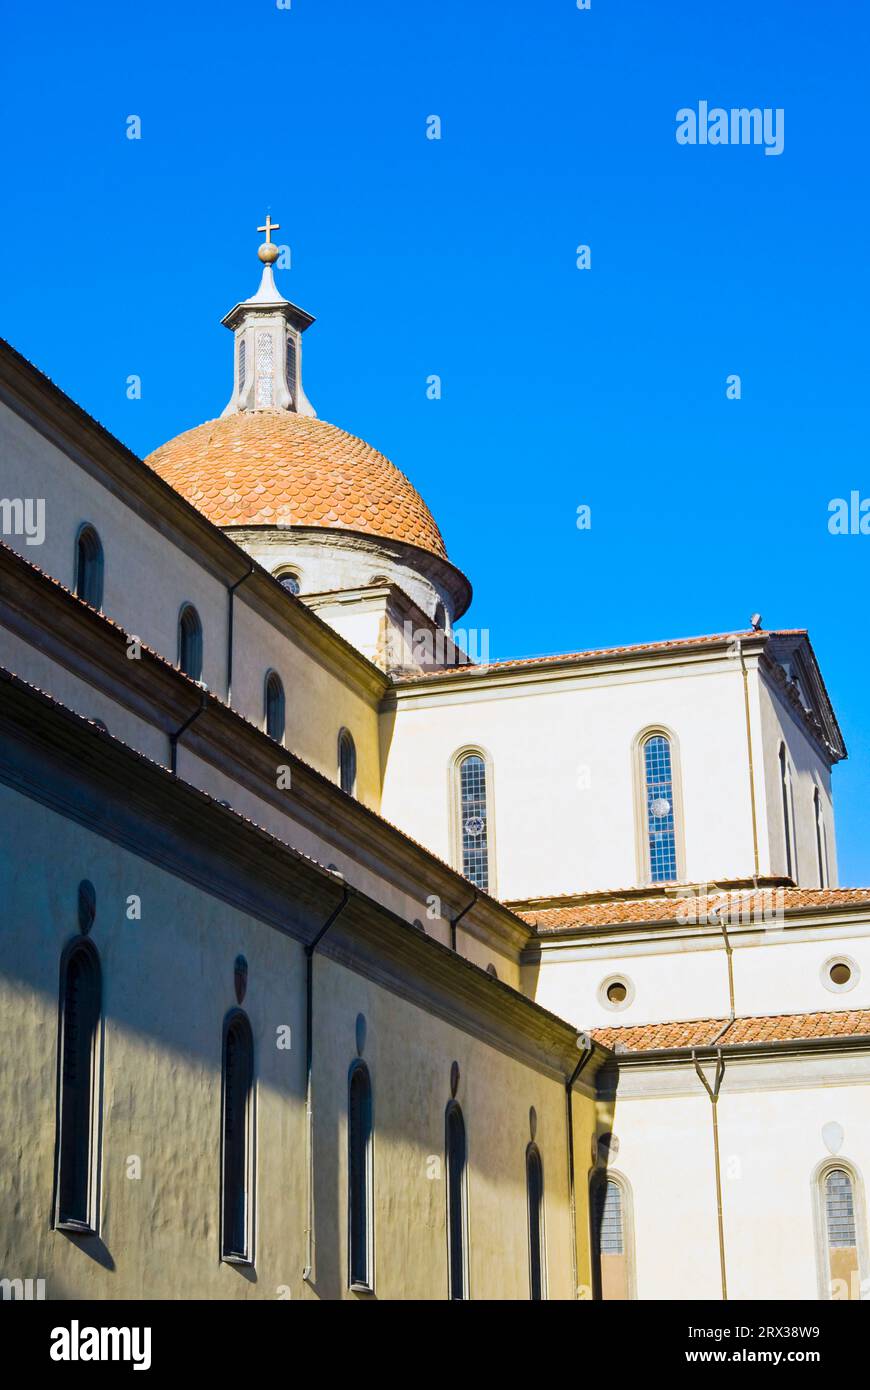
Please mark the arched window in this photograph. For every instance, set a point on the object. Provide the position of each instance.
(346, 762)
(457, 1203)
(659, 809)
(843, 1236)
(473, 838)
(787, 811)
(89, 567)
(78, 1087)
(289, 580)
(535, 1192)
(821, 839)
(360, 1179)
(609, 1213)
(291, 366)
(274, 706)
(190, 642)
(237, 1139)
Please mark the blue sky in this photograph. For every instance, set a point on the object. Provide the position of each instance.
(457, 257)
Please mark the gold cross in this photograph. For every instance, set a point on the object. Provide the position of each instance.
(269, 228)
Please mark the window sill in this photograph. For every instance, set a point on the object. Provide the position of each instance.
(361, 1288)
(75, 1228)
(237, 1260)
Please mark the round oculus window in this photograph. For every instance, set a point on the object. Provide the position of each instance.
(840, 973)
(617, 992)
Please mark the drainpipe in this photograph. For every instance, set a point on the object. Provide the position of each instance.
(729, 956)
(231, 592)
(456, 920)
(588, 1048)
(749, 751)
(309, 1066)
(713, 1093)
(173, 738)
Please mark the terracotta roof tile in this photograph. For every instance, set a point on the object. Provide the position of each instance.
(703, 1032)
(749, 903)
(251, 468)
(556, 658)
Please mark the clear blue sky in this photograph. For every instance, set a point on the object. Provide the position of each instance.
(457, 257)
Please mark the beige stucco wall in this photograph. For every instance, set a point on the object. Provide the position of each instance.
(168, 984)
(147, 580)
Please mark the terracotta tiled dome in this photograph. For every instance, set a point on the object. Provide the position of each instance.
(270, 467)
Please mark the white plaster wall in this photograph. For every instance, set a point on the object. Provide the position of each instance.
(808, 772)
(770, 1146)
(667, 984)
(563, 793)
(665, 1152)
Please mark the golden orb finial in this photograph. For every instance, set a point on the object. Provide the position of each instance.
(268, 252)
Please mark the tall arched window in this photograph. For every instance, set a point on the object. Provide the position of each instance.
(473, 829)
(608, 1209)
(844, 1240)
(360, 1182)
(821, 839)
(78, 1087)
(535, 1193)
(346, 762)
(237, 1175)
(190, 642)
(457, 1203)
(787, 811)
(89, 567)
(274, 706)
(660, 819)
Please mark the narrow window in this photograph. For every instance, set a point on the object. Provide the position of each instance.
(843, 1263)
(242, 364)
(190, 642)
(785, 784)
(89, 567)
(457, 1214)
(535, 1190)
(607, 1209)
(659, 808)
(265, 368)
(360, 1185)
(821, 839)
(346, 762)
(236, 1159)
(473, 825)
(274, 702)
(291, 367)
(80, 1010)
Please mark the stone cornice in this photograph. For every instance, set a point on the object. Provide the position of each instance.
(44, 614)
(59, 759)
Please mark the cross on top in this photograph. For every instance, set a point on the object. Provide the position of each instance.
(269, 228)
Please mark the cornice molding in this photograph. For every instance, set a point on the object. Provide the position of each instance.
(59, 759)
(51, 413)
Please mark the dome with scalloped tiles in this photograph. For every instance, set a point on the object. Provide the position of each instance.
(277, 468)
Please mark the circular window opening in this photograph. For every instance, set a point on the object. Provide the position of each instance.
(617, 992)
(839, 974)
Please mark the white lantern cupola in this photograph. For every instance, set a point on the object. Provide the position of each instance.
(267, 373)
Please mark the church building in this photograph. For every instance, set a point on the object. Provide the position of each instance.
(340, 961)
